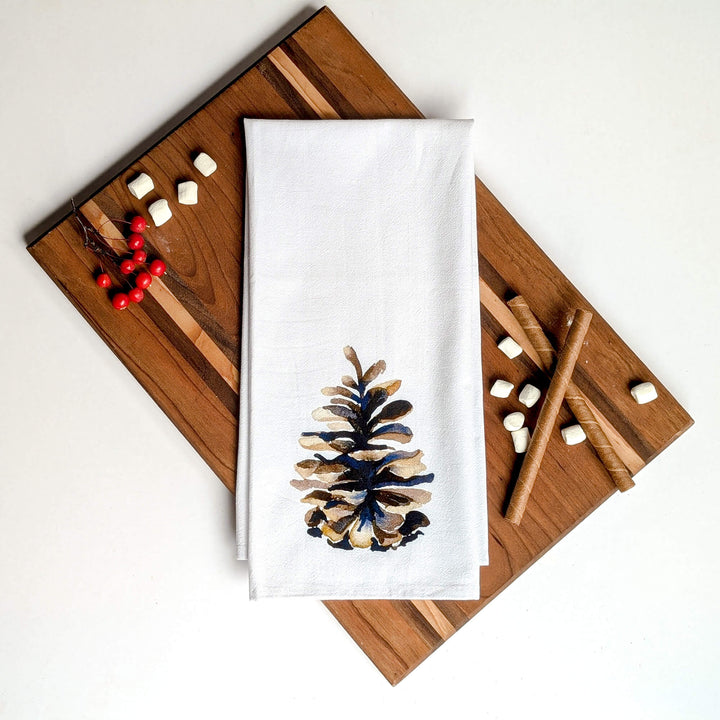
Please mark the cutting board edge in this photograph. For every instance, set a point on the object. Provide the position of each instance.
(97, 186)
(481, 187)
(395, 679)
(107, 341)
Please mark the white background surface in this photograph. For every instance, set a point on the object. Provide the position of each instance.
(597, 127)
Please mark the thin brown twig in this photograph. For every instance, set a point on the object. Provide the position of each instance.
(92, 239)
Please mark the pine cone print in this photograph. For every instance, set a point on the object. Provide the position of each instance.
(365, 495)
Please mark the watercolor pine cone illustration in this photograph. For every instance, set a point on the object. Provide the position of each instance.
(364, 495)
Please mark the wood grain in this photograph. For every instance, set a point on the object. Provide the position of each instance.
(182, 343)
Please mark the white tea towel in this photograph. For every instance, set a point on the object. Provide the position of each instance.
(361, 468)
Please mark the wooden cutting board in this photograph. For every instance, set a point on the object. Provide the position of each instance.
(182, 342)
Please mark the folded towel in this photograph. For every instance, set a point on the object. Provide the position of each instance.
(361, 466)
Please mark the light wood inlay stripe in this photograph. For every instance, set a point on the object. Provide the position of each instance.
(633, 462)
(172, 306)
(304, 87)
(432, 614)
(502, 313)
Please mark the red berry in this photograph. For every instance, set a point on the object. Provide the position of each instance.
(157, 268)
(103, 280)
(139, 257)
(136, 294)
(120, 301)
(138, 224)
(126, 267)
(143, 280)
(135, 241)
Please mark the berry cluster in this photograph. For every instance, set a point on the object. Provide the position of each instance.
(96, 243)
(143, 279)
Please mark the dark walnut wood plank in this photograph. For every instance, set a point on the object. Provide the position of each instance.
(182, 344)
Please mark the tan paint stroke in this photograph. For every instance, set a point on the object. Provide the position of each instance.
(432, 614)
(304, 87)
(164, 297)
(501, 312)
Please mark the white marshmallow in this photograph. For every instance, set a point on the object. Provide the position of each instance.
(141, 185)
(501, 388)
(205, 164)
(521, 440)
(187, 192)
(510, 347)
(514, 421)
(529, 395)
(644, 393)
(572, 434)
(160, 212)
